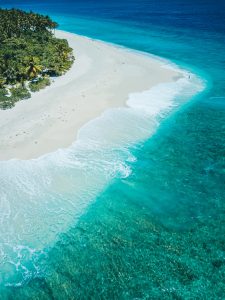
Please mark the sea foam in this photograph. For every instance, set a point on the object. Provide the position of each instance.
(41, 198)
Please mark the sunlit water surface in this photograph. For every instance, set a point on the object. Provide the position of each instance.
(133, 210)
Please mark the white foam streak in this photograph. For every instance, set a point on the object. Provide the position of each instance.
(39, 199)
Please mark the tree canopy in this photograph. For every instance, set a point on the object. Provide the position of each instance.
(29, 53)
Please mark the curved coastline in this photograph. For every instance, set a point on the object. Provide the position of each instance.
(102, 77)
(47, 195)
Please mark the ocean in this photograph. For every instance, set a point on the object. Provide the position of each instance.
(141, 216)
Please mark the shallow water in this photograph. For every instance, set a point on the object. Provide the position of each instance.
(139, 217)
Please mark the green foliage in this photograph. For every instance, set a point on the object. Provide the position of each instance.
(19, 93)
(3, 99)
(39, 84)
(3, 93)
(29, 50)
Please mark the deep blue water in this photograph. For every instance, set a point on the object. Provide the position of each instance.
(158, 233)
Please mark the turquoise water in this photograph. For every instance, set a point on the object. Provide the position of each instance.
(142, 217)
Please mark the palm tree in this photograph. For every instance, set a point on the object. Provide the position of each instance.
(34, 67)
(28, 49)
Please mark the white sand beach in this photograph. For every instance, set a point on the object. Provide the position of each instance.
(102, 77)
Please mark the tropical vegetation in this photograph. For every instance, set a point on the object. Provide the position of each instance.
(30, 54)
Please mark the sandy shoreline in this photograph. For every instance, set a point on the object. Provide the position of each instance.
(102, 77)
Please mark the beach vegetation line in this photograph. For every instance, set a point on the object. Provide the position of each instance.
(30, 54)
